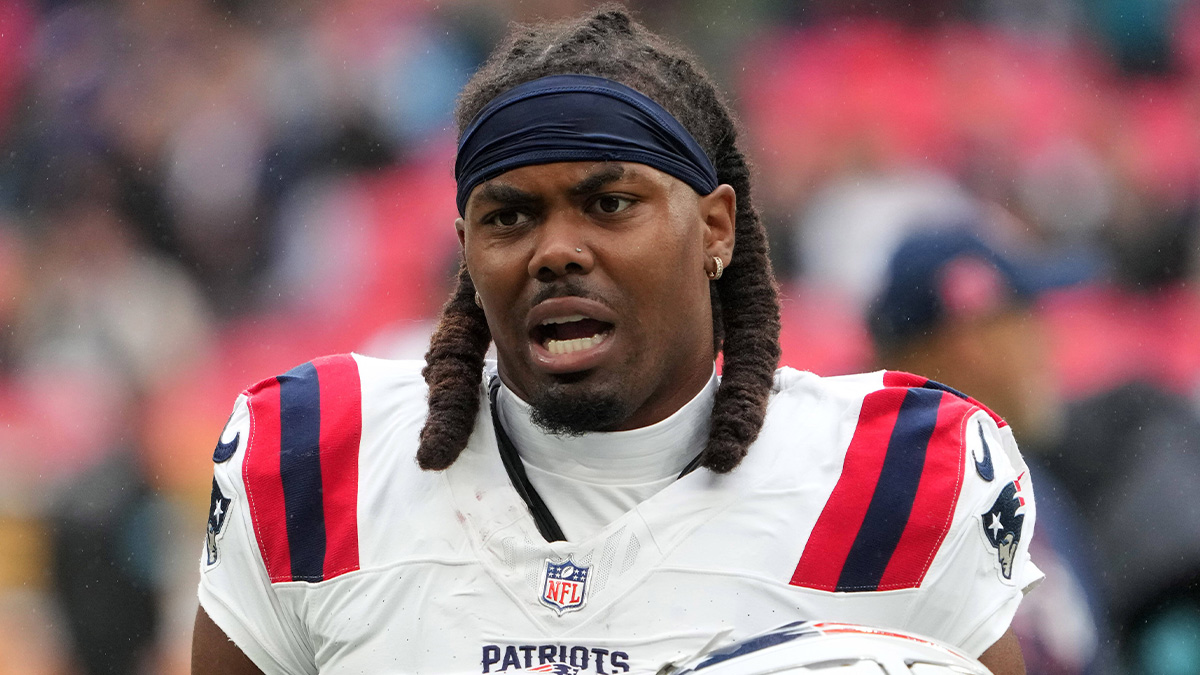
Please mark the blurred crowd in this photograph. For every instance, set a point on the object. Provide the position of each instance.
(199, 194)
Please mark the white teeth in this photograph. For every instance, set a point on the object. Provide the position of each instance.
(578, 344)
(564, 319)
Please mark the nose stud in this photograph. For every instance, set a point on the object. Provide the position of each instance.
(578, 250)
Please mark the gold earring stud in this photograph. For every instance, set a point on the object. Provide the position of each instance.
(478, 300)
(713, 276)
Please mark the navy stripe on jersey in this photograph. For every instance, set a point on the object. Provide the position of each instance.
(932, 384)
(300, 469)
(891, 504)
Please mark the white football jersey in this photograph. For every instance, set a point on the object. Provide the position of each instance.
(881, 499)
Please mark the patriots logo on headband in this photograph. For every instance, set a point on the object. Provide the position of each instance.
(1002, 526)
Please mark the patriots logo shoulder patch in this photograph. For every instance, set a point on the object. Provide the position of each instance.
(218, 512)
(1002, 526)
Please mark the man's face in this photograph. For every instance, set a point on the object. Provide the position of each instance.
(593, 279)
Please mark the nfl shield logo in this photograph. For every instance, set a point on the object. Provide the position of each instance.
(564, 586)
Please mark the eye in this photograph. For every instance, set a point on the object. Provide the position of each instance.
(609, 204)
(507, 218)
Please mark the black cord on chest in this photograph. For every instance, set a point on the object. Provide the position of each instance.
(546, 524)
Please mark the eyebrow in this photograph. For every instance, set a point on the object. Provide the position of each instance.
(508, 195)
(610, 173)
(503, 194)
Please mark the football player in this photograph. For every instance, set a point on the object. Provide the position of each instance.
(598, 499)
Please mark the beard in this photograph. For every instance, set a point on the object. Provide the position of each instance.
(561, 411)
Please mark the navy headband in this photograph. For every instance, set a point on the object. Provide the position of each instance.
(571, 118)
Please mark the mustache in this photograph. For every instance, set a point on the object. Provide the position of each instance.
(567, 288)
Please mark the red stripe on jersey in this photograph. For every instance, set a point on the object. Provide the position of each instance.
(341, 431)
(896, 378)
(829, 543)
(264, 482)
(937, 495)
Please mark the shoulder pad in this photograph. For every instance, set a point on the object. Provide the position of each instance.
(301, 469)
(894, 501)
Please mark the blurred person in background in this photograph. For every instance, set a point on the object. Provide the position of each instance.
(103, 315)
(107, 527)
(1121, 536)
(950, 305)
(1130, 342)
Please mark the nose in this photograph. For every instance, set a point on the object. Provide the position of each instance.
(559, 250)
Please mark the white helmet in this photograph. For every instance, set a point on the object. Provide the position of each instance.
(828, 648)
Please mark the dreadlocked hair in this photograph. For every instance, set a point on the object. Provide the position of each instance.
(609, 43)
(453, 370)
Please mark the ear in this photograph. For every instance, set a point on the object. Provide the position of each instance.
(718, 209)
(461, 228)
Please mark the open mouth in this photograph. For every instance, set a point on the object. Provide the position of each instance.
(574, 333)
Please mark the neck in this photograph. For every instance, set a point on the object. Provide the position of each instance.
(639, 455)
